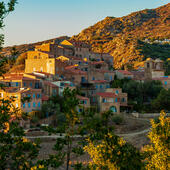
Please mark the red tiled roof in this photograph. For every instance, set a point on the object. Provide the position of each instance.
(161, 78)
(76, 71)
(100, 81)
(74, 58)
(50, 84)
(82, 97)
(70, 67)
(107, 94)
(16, 77)
(97, 62)
(125, 72)
(45, 98)
(104, 71)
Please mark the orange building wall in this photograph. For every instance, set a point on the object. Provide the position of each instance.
(42, 65)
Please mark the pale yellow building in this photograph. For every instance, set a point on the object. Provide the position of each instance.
(40, 61)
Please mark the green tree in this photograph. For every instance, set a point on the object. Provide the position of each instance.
(162, 102)
(16, 151)
(69, 128)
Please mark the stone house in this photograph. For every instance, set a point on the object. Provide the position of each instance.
(61, 85)
(153, 69)
(50, 89)
(76, 76)
(121, 74)
(40, 61)
(164, 80)
(21, 81)
(28, 106)
(111, 99)
(84, 103)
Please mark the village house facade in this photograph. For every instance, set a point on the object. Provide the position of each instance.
(111, 99)
(18, 95)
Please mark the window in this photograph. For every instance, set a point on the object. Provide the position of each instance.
(148, 65)
(165, 83)
(123, 100)
(93, 78)
(25, 84)
(28, 95)
(107, 86)
(85, 102)
(115, 100)
(34, 104)
(54, 91)
(61, 84)
(104, 100)
(96, 86)
(23, 105)
(33, 96)
(17, 84)
(31, 84)
(110, 78)
(37, 85)
(29, 105)
(80, 110)
(117, 92)
(71, 84)
(113, 109)
(83, 80)
(38, 96)
(101, 86)
(39, 104)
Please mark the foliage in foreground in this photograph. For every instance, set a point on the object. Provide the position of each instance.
(16, 151)
(113, 153)
(107, 151)
(157, 154)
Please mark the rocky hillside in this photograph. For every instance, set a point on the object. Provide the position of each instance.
(120, 36)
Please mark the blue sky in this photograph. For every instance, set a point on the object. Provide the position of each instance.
(37, 20)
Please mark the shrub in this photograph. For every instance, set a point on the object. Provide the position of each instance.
(117, 119)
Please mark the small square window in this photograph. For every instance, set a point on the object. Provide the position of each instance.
(29, 105)
(34, 104)
(39, 104)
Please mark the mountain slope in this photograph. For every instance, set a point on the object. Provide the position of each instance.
(119, 36)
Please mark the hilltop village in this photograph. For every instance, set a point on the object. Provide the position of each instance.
(52, 67)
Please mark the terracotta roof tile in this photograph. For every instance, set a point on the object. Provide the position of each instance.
(100, 81)
(82, 97)
(45, 98)
(107, 94)
(125, 72)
